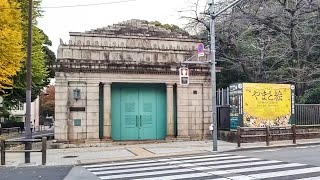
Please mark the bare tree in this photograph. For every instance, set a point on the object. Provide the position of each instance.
(270, 41)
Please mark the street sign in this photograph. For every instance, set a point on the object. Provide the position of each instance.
(200, 50)
(184, 76)
(1, 101)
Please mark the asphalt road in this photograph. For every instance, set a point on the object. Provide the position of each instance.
(304, 154)
(34, 173)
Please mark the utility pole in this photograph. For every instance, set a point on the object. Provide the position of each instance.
(28, 134)
(213, 16)
(213, 75)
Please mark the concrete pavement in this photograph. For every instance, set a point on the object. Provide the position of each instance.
(102, 152)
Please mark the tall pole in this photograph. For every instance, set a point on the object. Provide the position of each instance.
(28, 134)
(213, 16)
(213, 75)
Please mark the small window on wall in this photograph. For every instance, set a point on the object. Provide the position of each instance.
(77, 122)
(76, 94)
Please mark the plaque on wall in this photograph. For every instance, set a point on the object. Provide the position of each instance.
(77, 109)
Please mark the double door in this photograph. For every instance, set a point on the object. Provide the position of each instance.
(138, 113)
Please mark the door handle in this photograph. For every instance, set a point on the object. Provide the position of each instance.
(136, 120)
(140, 121)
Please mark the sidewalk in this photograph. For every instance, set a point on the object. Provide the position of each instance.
(103, 152)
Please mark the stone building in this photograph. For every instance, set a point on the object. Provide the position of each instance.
(121, 82)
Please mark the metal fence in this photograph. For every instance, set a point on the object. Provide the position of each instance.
(307, 114)
(223, 97)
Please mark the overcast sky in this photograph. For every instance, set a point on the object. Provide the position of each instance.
(58, 22)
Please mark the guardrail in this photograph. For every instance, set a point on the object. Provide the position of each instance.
(2, 130)
(26, 142)
(267, 132)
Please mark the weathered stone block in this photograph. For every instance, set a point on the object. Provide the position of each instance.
(93, 89)
(182, 114)
(93, 108)
(107, 131)
(196, 102)
(93, 102)
(182, 102)
(61, 89)
(199, 108)
(61, 96)
(92, 128)
(93, 135)
(207, 114)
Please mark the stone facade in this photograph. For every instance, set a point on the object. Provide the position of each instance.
(134, 51)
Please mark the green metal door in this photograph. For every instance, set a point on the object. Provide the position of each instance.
(147, 114)
(129, 113)
(138, 112)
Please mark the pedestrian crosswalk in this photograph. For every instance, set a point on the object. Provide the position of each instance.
(209, 166)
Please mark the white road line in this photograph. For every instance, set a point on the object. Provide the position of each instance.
(241, 164)
(127, 166)
(212, 159)
(310, 178)
(133, 170)
(285, 173)
(240, 177)
(182, 176)
(228, 161)
(146, 174)
(115, 164)
(257, 168)
(196, 157)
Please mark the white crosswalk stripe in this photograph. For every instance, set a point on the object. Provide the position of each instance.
(212, 166)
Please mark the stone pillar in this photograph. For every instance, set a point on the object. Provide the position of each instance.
(182, 112)
(107, 111)
(92, 111)
(61, 111)
(170, 111)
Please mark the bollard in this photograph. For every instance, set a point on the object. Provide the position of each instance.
(294, 135)
(267, 136)
(3, 152)
(27, 147)
(44, 150)
(238, 136)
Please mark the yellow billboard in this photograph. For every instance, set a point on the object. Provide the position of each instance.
(266, 104)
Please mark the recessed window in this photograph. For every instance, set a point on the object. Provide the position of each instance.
(195, 92)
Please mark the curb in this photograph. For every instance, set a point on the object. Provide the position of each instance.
(271, 147)
(143, 157)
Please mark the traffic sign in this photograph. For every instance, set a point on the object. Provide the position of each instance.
(200, 50)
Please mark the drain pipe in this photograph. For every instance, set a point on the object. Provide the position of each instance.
(86, 110)
(203, 134)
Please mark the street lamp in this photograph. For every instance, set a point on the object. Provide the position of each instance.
(213, 16)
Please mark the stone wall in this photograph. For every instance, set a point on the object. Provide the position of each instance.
(193, 104)
(113, 49)
(193, 111)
